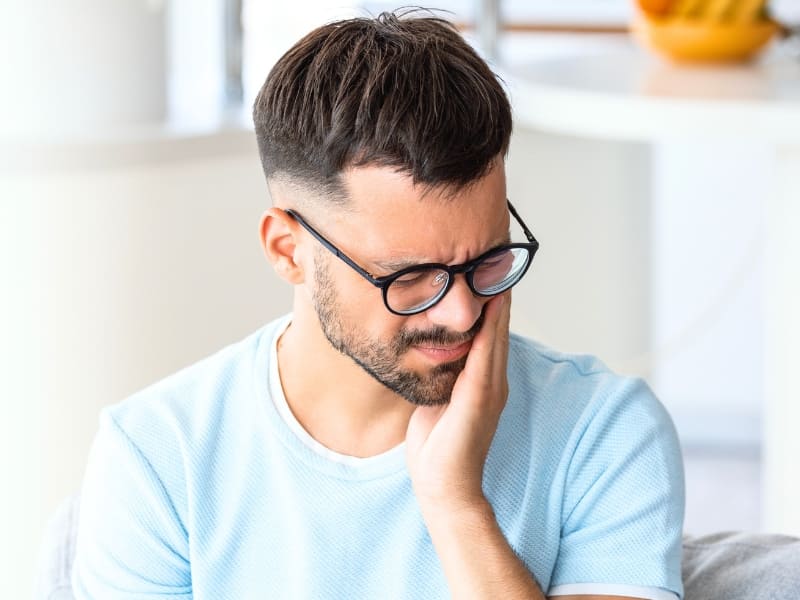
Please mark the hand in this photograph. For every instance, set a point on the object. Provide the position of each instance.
(447, 445)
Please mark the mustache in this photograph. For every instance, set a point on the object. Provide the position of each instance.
(438, 336)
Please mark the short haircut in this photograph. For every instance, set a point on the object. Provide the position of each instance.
(398, 90)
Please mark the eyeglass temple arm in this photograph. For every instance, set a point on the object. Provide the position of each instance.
(525, 229)
(339, 254)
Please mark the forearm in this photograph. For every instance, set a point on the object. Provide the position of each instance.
(477, 560)
(447, 446)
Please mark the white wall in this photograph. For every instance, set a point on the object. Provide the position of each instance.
(75, 65)
(709, 205)
(589, 286)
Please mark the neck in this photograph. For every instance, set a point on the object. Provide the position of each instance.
(334, 399)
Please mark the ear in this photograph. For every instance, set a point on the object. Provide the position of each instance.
(278, 232)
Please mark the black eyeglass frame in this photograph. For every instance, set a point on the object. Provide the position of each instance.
(468, 268)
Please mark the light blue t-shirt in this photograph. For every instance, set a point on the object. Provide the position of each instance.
(204, 486)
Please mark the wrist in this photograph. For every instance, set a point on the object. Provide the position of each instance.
(457, 512)
(438, 494)
(477, 559)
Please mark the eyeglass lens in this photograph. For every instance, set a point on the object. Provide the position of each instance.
(419, 289)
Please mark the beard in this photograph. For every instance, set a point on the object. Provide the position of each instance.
(381, 360)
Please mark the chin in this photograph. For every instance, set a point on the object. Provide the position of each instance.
(435, 387)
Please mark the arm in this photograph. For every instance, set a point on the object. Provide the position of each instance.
(447, 448)
(479, 563)
(477, 560)
(131, 541)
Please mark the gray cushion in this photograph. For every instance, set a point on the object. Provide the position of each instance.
(741, 566)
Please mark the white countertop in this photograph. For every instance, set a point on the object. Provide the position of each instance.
(625, 93)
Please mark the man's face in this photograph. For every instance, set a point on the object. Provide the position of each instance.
(391, 224)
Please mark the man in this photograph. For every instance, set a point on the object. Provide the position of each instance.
(388, 439)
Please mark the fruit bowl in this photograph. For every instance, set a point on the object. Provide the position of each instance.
(695, 40)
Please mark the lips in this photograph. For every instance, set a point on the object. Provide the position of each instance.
(439, 353)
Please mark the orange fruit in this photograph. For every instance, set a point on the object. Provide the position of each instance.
(654, 7)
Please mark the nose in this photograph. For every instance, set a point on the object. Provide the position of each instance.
(459, 309)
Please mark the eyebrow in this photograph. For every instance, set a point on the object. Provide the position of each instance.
(402, 263)
(396, 265)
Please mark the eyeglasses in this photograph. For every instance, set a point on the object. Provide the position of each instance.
(417, 288)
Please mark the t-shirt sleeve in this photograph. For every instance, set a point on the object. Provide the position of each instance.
(131, 541)
(623, 506)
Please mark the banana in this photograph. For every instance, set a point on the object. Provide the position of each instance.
(719, 10)
(687, 8)
(745, 11)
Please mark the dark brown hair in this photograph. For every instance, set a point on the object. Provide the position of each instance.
(397, 90)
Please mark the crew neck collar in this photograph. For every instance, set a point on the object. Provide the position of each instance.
(292, 433)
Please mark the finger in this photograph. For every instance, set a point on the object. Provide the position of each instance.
(492, 316)
(500, 347)
(480, 371)
(502, 332)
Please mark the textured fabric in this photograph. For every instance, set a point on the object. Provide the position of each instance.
(746, 566)
(725, 566)
(197, 488)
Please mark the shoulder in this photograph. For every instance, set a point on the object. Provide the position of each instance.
(533, 365)
(576, 403)
(172, 433)
(578, 384)
(186, 407)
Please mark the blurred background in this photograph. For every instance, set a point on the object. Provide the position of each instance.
(130, 194)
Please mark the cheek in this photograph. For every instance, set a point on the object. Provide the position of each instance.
(378, 324)
(374, 321)
(360, 306)
(361, 310)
